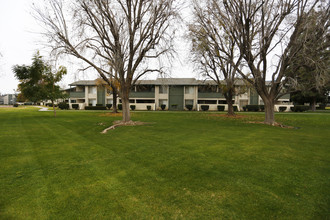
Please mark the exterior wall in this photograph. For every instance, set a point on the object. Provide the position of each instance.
(176, 94)
(193, 96)
(161, 96)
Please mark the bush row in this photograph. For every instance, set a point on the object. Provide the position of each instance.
(95, 108)
(299, 108)
(63, 105)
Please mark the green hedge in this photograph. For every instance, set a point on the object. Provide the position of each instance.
(99, 104)
(282, 108)
(108, 106)
(132, 107)
(75, 106)
(235, 108)
(252, 108)
(148, 107)
(120, 106)
(221, 108)
(204, 107)
(189, 107)
(95, 108)
(163, 107)
(15, 105)
(63, 105)
(299, 108)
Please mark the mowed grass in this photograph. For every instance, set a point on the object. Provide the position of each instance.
(186, 165)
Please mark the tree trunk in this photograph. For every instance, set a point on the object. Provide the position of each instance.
(313, 104)
(230, 107)
(269, 112)
(229, 99)
(54, 108)
(125, 104)
(114, 103)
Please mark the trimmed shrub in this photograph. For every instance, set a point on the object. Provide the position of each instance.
(63, 105)
(299, 108)
(204, 107)
(189, 107)
(221, 108)
(244, 108)
(252, 108)
(15, 105)
(120, 106)
(75, 106)
(321, 107)
(28, 103)
(132, 107)
(148, 107)
(262, 108)
(99, 104)
(90, 104)
(108, 106)
(95, 108)
(235, 108)
(163, 107)
(282, 108)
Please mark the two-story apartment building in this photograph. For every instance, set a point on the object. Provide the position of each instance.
(175, 93)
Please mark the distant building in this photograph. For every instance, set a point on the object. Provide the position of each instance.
(8, 99)
(175, 93)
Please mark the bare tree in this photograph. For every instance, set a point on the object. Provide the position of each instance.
(265, 32)
(310, 68)
(214, 51)
(112, 34)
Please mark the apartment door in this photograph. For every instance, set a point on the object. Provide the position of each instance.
(176, 96)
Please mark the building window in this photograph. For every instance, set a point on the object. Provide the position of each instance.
(145, 101)
(207, 102)
(145, 88)
(130, 101)
(92, 90)
(163, 89)
(189, 102)
(92, 102)
(189, 90)
(162, 102)
(225, 101)
(73, 101)
(207, 88)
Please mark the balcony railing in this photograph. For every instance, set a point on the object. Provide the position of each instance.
(77, 94)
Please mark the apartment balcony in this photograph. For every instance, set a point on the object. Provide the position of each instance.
(142, 95)
(79, 95)
(210, 95)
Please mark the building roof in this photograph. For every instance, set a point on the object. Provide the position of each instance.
(161, 81)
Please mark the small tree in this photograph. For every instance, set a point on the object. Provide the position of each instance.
(38, 82)
(52, 91)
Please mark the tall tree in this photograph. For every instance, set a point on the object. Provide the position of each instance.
(310, 68)
(215, 52)
(265, 33)
(112, 34)
(30, 78)
(38, 81)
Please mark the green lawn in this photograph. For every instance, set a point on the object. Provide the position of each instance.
(186, 165)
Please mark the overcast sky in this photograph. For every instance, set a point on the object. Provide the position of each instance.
(19, 40)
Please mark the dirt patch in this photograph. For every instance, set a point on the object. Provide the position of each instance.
(229, 116)
(110, 114)
(121, 123)
(275, 124)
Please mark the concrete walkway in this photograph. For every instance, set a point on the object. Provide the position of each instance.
(43, 109)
